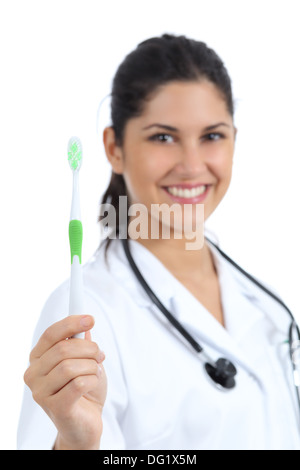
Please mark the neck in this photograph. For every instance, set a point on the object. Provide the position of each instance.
(180, 261)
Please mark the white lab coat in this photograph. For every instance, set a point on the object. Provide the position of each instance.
(159, 396)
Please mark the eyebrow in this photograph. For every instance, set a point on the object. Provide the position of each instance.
(174, 129)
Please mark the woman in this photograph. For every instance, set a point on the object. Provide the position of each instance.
(171, 142)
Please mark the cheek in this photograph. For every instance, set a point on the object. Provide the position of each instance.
(154, 162)
(140, 177)
(221, 165)
(144, 169)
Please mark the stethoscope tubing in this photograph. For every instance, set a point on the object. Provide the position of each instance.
(179, 327)
(158, 303)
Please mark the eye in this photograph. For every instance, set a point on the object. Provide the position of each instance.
(213, 136)
(164, 138)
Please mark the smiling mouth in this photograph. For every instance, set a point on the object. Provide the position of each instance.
(187, 193)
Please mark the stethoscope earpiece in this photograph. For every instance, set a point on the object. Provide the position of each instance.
(222, 372)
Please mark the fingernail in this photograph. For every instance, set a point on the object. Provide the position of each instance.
(86, 321)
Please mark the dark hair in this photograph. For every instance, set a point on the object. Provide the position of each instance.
(154, 63)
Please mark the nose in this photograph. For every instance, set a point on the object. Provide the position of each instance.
(191, 161)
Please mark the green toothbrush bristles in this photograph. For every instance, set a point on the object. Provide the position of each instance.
(74, 153)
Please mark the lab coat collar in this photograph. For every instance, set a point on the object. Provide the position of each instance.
(243, 314)
(244, 305)
(236, 289)
(240, 315)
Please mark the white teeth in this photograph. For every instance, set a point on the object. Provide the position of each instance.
(186, 193)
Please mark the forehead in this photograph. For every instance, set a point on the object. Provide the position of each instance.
(199, 101)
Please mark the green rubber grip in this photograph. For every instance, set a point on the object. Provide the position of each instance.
(75, 237)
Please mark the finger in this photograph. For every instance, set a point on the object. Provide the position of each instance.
(67, 349)
(60, 330)
(66, 397)
(66, 371)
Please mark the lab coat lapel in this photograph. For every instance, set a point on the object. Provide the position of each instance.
(238, 300)
(241, 316)
(208, 331)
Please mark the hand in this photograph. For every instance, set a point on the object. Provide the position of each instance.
(67, 379)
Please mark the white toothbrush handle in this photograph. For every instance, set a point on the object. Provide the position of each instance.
(76, 305)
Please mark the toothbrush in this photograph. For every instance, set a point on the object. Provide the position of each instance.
(76, 301)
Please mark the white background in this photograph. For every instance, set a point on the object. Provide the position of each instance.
(57, 61)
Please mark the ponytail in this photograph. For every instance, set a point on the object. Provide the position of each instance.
(115, 189)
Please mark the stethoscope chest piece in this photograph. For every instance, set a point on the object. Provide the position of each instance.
(222, 372)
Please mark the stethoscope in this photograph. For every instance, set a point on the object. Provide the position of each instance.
(222, 371)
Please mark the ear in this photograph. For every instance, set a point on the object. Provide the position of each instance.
(113, 151)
